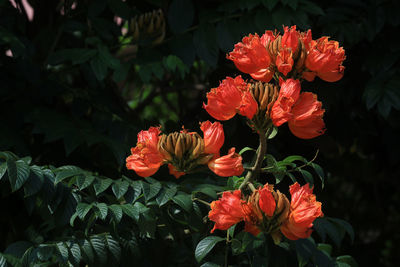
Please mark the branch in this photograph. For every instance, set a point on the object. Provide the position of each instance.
(262, 148)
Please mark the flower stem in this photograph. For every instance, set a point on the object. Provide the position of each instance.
(201, 201)
(255, 170)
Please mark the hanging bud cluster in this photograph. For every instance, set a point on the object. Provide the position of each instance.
(265, 95)
(148, 27)
(185, 151)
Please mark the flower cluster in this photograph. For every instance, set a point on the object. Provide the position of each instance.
(269, 211)
(287, 58)
(293, 54)
(183, 152)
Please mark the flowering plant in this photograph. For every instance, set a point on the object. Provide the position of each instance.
(272, 96)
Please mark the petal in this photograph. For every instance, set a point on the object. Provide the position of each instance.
(307, 121)
(213, 136)
(228, 165)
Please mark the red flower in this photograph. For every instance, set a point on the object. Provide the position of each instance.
(227, 211)
(307, 119)
(303, 112)
(145, 159)
(325, 58)
(213, 136)
(290, 38)
(267, 37)
(230, 97)
(288, 95)
(174, 172)
(304, 209)
(250, 55)
(264, 75)
(284, 61)
(267, 201)
(228, 165)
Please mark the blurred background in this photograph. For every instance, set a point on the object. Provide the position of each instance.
(79, 79)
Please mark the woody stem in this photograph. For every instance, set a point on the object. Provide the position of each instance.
(255, 170)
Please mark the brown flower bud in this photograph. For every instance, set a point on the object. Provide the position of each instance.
(148, 27)
(183, 150)
(265, 95)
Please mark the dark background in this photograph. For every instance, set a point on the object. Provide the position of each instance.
(74, 92)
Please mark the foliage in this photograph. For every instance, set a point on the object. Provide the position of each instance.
(76, 92)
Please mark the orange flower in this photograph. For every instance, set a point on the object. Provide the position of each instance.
(267, 37)
(267, 201)
(227, 211)
(307, 119)
(288, 95)
(145, 159)
(284, 61)
(290, 38)
(227, 165)
(250, 55)
(264, 75)
(325, 58)
(213, 136)
(304, 209)
(303, 112)
(230, 97)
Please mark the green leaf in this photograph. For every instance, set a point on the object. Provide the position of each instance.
(63, 174)
(225, 37)
(205, 246)
(3, 169)
(76, 56)
(87, 251)
(325, 247)
(132, 212)
(325, 227)
(75, 253)
(147, 225)
(307, 176)
(113, 247)
(347, 227)
(150, 190)
(246, 149)
(294, 158)
(312, 8)
(270, 4)
(320, 173)
(18, 173)
(63, 250)
(180, 21)
(165, 195)
(210, 264)
(34, 182)
(83, 181)
(347, 260)
(206, 44)
(184, 201)
(101, 185)
(18, 248)
(119, 188)
(117, 212)
(99, 68)
(82, 209)
(208, 191)
(107, 58)
(273, 133)
(99, 249)
(103, 210)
